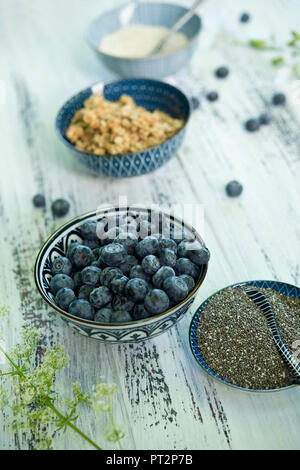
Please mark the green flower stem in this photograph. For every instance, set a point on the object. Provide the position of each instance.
(50, 404)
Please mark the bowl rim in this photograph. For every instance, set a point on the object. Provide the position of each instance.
(120, 325)
(102, 84)
(210, 372)
(139, 60)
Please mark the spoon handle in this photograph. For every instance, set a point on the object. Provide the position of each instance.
(263, 303)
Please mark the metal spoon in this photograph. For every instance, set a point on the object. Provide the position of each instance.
(263, 303)
(176, 27)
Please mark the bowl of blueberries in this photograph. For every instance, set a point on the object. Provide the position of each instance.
(122, 275)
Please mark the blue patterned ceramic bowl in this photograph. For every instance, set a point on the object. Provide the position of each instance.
(134, 331)
(285, 289)
(150, 94)
(145, 13)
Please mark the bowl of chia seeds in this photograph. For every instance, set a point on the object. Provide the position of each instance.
(231, 341)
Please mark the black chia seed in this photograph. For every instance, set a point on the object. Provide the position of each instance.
(236, 342)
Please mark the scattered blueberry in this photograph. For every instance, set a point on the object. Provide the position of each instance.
(222, 72)
(91, 275)
(195, 102)
(81, 256)
(252, 125)
(64, 297)
(278, 99)
(161, 275)
(81, 308)
(100, 297)
(60, 207)
(176, 288)
(234, 189)
(156, 301)
(39, 200)
(151, 264)
(244, 18)
(265, 119)
(120, 316)
(61, 265)
(212, 96)
(113, 254)
(59, 281)
(103, 315)
(136, 289)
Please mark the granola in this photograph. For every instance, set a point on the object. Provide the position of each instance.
(105, 127)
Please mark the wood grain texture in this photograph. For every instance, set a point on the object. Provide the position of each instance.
(165, 400)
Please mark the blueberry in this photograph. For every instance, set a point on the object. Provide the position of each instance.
(88, 230)
(186, 266)
(265, 119)
(278, 99)
(120, 302)
(136, 289)
(167, 257)
(81, 256)
(39, 200)
(61, 265)
(222, 72)
(84, 292)
(91, 275)
(151, 264)
(139, 312)
(117, 284)
(92, 244)
(198, 254)
(167, 243)
(64, 297)
(195, 102)
(103, 315)
(161, 275)
(60, 207)
(234, 189)
(61, 280)
(252, 125)
(113, 254)
(108, 274)
(244, 18)
(176, 288)
(147, 246)
(77, 278)
(81, 308)
(128, 240)
(182, 249)
(128, 263)
(120, 316)
(71, 248)
(190, 283)
(100, 297)
(156, 301)
(137, 271)
(212, 96)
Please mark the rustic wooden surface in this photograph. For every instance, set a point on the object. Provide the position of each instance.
(165, 400)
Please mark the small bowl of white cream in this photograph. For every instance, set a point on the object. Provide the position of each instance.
(123, 39)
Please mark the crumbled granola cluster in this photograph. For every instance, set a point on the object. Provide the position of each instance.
(105, 127)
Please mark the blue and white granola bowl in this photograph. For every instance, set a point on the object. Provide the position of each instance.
(150, 94)
(131, 332)
(144, 13)
(286, 289)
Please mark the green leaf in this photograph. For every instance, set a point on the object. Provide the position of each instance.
(295, 39)
(277, 61)
(257, 43)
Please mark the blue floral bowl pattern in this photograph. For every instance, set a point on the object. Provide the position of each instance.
(145, 13)
(134, 331)
(285, 289)
(151, 95)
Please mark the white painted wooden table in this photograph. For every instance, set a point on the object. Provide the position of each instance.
(165, 400)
